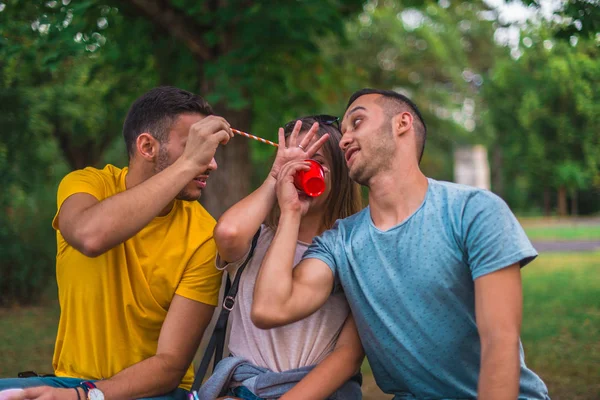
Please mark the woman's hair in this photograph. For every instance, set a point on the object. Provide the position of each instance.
(344, 197)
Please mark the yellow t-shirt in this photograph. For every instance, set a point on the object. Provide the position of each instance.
(113, 305)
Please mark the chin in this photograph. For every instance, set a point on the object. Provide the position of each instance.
(188, 196)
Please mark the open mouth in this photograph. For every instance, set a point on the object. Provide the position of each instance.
(201, 181)
(349, 153)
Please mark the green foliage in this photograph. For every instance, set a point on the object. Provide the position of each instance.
(27, 176)
(574, 18)
(58, 104)
(69, 70)
(546, 111)
(437, 55)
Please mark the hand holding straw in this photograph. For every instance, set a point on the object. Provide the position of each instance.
(254, 137)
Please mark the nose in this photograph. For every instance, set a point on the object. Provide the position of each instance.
(212, 165)
(345, 142)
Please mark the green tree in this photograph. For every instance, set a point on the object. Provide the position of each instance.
(438, 53)
(545, 107)
(228, 51)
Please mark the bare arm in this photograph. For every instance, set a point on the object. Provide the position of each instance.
(498, 304)
(337, 368)
(284, 294)
(236, 227)
(179, 339)
(93, 226)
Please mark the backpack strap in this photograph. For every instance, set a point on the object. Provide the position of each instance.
(216, 344)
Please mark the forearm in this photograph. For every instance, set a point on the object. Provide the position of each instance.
(327, 377)
(238, 224)
(500, 370)
(274, 282)
(151, 377)
(119, 217)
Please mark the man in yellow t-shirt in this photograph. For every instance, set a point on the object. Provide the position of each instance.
(135, 259)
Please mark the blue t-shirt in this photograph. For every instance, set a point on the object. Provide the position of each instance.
(411, 288)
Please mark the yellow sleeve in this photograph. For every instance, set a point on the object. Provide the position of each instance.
(80, 181)
(201, 280)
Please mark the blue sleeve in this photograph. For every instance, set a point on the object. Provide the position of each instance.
(323, 248)
(492, 236)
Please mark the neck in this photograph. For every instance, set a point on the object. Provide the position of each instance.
(395, 194)
(135, 176)
(310, 226)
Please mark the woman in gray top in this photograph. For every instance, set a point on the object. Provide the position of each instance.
(318, 357)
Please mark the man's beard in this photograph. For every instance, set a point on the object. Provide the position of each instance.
(384, 153)
(162, 163)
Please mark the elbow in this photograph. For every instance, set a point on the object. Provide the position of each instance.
(90, 248)
(172, 372)
(88, 243)
(358, 362)
(173, 383)
(264, 317)
(227, 238)
(353, 357)
(356, 359)
(225, 234)
(231, 243)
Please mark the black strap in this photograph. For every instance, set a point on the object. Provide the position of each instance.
(216, 344)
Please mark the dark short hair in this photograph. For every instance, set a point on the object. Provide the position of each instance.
(402, 102)
(156, 111)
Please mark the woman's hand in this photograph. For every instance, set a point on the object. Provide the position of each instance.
(289, 197)
(295, 151)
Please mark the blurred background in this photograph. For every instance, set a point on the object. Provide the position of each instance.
(510, 92)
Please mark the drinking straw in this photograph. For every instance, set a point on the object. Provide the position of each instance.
(254, 137)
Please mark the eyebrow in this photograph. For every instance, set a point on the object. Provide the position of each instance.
(356, 109)
(352, 111)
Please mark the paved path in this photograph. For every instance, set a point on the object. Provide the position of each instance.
(571, 245)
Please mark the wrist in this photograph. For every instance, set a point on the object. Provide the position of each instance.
(290, 215)
(270, 182)
(90, 391)
(273, 173)
(187, 167)
(79, 394)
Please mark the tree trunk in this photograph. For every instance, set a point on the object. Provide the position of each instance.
(562, 201)
(547, 202)
(231, 181)
(81, 155)
(497, 171)
(574, 203)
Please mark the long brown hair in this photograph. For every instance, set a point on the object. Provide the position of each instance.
(344, 197)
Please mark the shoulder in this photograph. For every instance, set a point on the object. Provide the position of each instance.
(107, 173)
(342, 229)
(462, 197)
(198, 213)
(452, 191)
(109, 177)
(195, 223)
(101, 183)
(352, 222)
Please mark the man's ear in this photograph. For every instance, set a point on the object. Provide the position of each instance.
(147, 146)
(402, 123)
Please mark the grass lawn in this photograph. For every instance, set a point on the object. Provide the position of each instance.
(561, 328)
(556, 229)
(27, 339)
(561, 323)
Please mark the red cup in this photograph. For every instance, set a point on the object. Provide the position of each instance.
(311, 182)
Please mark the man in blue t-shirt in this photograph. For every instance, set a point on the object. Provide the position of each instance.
(431, 269)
